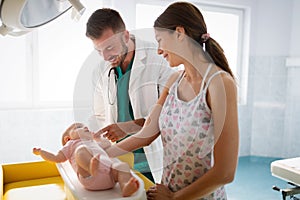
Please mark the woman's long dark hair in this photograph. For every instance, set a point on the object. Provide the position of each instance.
(189, 17)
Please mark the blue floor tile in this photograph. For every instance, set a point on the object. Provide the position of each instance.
(254, 181)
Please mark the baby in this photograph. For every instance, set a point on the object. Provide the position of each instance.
(94, 169)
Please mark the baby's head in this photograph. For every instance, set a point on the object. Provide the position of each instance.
(66, 135)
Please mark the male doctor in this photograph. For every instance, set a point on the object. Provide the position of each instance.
(128, 82)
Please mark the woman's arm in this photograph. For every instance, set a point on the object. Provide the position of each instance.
(148, 133)
(223, 102)
(150, 130)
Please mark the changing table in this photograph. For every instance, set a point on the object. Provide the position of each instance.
(75, 191)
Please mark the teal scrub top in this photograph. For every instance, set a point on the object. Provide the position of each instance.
(125, 113)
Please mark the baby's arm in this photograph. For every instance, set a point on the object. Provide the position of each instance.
(59, 157)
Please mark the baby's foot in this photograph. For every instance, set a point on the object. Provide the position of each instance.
(94, 164)
(130, 187)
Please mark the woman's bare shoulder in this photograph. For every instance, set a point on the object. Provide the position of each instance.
(173, 78)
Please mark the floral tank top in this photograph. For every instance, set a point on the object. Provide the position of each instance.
(187, 135)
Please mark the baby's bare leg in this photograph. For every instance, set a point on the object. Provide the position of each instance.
(94, 164)
(128, 183)
(83, 159)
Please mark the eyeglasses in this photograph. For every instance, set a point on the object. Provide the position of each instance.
(112, 85)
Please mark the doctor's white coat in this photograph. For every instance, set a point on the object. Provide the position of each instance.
(149, 74)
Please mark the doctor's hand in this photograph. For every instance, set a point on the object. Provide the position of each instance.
(113, 132)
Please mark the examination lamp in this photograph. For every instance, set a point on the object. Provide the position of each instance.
(22, 16)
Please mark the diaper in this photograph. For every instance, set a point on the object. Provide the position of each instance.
(102, 179)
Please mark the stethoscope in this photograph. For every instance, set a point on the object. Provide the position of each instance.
(112, 82)
(112, 100)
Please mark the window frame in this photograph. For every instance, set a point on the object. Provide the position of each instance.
(243, 42)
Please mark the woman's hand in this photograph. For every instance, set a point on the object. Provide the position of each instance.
(159, 192)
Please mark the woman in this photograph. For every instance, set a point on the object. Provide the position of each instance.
(197, 113)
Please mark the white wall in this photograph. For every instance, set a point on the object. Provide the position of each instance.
(295, 30)
(272, 104)
(271, 27)
(269, 120)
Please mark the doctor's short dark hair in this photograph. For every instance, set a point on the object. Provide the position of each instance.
(103, 19)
